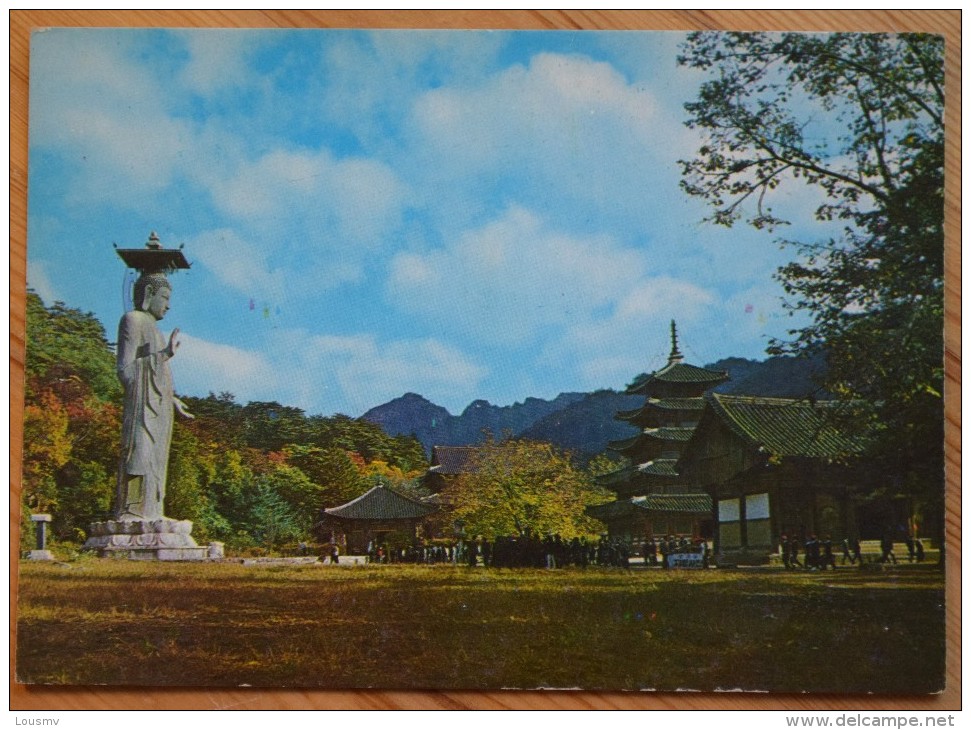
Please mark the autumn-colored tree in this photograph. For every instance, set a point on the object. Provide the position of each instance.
(47, 448)
(515, 486)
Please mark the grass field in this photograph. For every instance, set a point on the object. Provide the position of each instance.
(420, 627)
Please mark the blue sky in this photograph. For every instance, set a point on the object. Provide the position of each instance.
(460, 214)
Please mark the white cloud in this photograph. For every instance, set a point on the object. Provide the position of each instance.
(369, 372)
(634, 336)
(239, 264)
(39, 280)
(327, 373)
(200, 367)
(511, 279)
(353, 373)
(367, 81)
(217, 58)
(107, 114)
(566, 135)
(320, 216)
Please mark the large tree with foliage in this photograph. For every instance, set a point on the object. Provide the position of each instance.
(859, 118)
(514, 486)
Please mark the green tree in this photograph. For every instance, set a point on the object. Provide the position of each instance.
(302, 495)
(860, 118)
(85, 493)
(65, 343)
(274, 522)
(270, 426)
(336, 478)
(191, 472)
(232, 489)
(514, 485)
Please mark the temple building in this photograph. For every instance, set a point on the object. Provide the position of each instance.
(653, 500)
(379, 516)
(448, 463)
(773, 467)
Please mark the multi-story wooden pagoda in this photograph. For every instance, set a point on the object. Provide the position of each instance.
(652, 499)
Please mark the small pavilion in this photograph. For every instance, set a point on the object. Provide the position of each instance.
(379, 516)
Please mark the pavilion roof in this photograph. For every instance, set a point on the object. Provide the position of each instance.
(381, 503)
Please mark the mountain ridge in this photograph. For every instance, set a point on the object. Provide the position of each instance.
(582, 423)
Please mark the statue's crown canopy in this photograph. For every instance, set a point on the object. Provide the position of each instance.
(153, 259)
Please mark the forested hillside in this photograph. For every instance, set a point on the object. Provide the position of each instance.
(250, 475)
(254, 475)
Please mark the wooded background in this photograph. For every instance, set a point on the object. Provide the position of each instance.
(944, 22)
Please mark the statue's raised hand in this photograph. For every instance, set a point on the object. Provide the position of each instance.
(173, 343)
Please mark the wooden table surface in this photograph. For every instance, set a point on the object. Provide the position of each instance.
(945, 22)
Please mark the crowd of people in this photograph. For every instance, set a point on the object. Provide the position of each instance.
(424, 554)
(530, 550)
(817, 554)
(552, 551)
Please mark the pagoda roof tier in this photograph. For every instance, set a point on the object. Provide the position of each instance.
(625, 445)
(677, 372)
(380, 503)
(678, 503)
(659, 468)
(654, 468)
(650, 438)
(617, 478)
(677, 404)
(656, 476)
(670, 433)
(655, 408)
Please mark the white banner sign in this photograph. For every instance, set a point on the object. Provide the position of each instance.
(686, 560)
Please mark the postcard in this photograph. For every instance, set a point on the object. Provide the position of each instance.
(484, 360)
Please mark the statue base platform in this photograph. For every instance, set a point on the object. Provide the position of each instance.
(163, 539)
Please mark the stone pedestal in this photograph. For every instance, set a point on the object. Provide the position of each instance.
(163, 539)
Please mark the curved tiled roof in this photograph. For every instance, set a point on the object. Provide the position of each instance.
(452, 459)
(670, 433)
(674, 502)
(624, 444)
(677, 404)
(660, 468)
(381, 503)
(785, 427)
(682, 503)
(679, 434)
(655, 468)
(621, 476)
(679, 372)
(653, 405)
